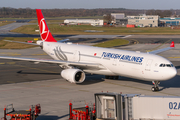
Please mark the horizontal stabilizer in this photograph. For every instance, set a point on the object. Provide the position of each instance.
(21, 42)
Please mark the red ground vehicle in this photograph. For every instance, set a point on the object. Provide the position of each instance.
(83, 113)
(13, 114)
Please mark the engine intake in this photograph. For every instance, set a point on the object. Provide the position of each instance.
(73, 75)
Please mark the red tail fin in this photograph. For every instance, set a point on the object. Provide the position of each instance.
(44, 30)
(172, 44)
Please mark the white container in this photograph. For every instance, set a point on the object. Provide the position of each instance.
(153, 107)
(136, 107)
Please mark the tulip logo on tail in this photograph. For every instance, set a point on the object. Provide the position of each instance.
(43, 30)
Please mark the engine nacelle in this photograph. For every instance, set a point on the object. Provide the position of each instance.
(73, 75)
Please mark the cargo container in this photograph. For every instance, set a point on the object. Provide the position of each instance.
(136, 107)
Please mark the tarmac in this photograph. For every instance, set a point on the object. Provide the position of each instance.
(8, 27)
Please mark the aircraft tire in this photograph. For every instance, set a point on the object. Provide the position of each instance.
(154, 89)
(157, 88)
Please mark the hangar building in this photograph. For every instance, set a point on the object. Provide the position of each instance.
(93, 22)
(119, 18)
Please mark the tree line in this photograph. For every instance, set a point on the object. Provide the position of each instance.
(6, 12)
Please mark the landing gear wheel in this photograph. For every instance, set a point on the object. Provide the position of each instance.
(155, 88)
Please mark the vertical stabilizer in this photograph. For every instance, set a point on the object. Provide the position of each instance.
(43, 28)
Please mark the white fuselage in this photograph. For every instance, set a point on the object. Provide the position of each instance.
(131, 64)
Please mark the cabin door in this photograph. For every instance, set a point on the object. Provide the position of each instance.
(148, 65)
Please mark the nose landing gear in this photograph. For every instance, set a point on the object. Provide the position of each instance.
(156, 87)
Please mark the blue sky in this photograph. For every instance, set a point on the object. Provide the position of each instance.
(91, 4)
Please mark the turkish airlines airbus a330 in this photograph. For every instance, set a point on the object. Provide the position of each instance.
(76, 60)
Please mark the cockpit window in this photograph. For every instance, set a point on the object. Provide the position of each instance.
(166, 65)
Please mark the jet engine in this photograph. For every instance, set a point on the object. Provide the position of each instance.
(73, 75)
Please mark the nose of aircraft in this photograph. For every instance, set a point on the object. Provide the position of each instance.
(172, 72)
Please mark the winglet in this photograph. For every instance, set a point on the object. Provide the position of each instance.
(163, 49)
(43, 28)
(172, 44)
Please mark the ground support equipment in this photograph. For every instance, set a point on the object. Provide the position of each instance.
(13, 114)
(83, 113)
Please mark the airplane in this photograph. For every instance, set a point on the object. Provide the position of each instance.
(77, 60)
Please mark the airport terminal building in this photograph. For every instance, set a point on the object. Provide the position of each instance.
(169, 21)
(144, 20)
(121, 20)
(141, 20)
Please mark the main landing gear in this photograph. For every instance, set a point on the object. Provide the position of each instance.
(156, 87)
(111, 77)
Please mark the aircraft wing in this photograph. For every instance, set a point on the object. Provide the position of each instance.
(82, 65)
(61, 41)
(164, 49)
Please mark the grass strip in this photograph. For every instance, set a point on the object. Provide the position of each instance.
(80, 29)
(112, 43)
(12, 45)
(2, 23)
